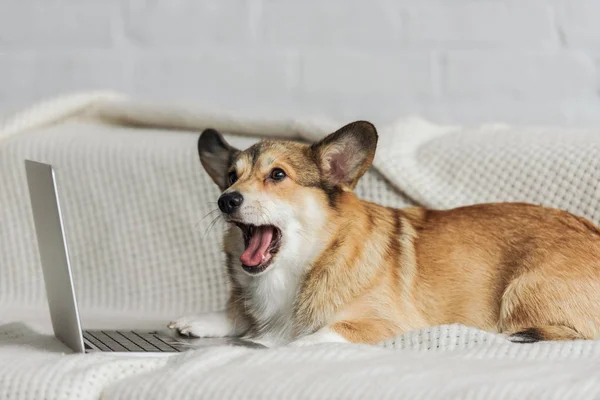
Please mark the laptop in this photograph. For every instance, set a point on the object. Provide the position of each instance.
(58, 278)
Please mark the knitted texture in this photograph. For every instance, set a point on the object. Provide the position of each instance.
(444, 362)
(492, 369)
(137, 208)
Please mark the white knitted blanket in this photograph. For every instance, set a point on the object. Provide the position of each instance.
(134, 197)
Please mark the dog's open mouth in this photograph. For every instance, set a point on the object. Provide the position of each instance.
(262, 243)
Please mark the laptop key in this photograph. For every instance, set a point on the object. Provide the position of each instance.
(145, 345)
(108, 341)
(87, 336)
(123, 341)
(156, 341)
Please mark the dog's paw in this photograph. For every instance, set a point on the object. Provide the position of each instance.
(324, 335)
(203, 325)
(189, 326)
(303, 342)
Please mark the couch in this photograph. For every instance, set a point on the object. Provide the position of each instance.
(135, 200)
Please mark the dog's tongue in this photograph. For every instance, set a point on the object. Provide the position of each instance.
(257, 250)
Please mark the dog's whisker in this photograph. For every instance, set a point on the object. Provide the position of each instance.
(209, 213)
(301, 233)
(265, 212)
(264, 216)
(212, 224)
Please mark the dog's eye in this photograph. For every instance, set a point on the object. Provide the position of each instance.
(232, 177)
(277, 174)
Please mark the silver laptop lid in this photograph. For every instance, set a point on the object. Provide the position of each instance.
(54, 255)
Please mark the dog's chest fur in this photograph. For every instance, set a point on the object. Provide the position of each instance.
(269, 302)
(269, 299)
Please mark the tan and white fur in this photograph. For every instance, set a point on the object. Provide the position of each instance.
(309, 262)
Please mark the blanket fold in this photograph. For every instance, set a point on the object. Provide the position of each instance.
(135, 198)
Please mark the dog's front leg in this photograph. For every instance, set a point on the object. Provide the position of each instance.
(367, 331)
(215, 324)
(323, 335)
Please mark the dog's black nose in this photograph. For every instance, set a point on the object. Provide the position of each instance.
(230, 202)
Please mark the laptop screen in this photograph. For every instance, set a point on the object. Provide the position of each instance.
(54, 254)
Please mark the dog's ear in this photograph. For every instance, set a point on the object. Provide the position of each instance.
(215, 155)
(345, 155)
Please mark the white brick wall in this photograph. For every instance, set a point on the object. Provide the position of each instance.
(467, 61)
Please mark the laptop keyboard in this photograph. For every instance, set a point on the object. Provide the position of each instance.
(128, 341)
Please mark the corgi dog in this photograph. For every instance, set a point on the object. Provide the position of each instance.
(309, 262)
